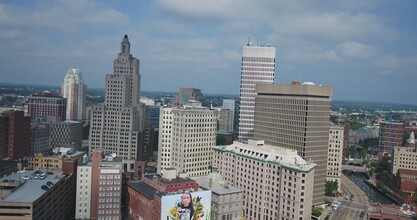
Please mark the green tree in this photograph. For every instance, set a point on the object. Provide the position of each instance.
(355, 125)
(331, 187)
(317, 211)
(414, 198)
(351, 151)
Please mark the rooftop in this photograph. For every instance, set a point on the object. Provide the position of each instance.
(259, 151)
(143, 188)
(20, 190)
(218, 185)
(167, 181)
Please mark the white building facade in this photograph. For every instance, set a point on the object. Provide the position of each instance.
(83, 195)
(258, 67)
(75, 91)
(164, 139)
(277, 183)
(118, 123)
(335, 154)
(193, 136)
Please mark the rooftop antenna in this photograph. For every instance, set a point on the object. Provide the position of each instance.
(249, 43)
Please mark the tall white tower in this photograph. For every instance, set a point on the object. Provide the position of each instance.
(118, 123)
(258, 67)
(75, 91)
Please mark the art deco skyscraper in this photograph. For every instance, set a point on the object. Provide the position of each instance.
(75, 91)
(296, 116)
(258, 67)
(118, 123)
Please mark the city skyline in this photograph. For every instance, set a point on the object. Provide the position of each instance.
(366, 51)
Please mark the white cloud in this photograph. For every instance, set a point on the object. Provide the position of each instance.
(356, 50)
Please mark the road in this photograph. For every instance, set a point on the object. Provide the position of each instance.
(350, 209)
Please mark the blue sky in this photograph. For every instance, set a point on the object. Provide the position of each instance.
(365, 50)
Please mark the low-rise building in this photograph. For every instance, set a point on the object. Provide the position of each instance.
(226, 200)
(37, 194)
(167, 196)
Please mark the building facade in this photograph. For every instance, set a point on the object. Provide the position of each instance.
(165, 139)
(193, 136)
(75, 91)
(39, 138)
(296, 116)
(342, 121)
(277, 183)
(42, 105)
(146, 197)
(187, 94)
(230, 105)
(258, 67)
(335, 154)
(18, 135)
(390, 136)
(4, 134)
(66, 134)
(226, 200)
(117, 125)
(99, 187)
(37, 194)
(404, 157)
(225, 120)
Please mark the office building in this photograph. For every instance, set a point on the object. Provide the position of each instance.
(342, 121)
(39, 137)
(225, 120)
(335, 154)
(18, 135)
(277, 183)
(193, 136)
(186, 136)
(41, 105)
(226, 200)
(4, 134)
(404, 157)
(117, 125)
(164, 139)
(75, 91)
(390, 136)
(66, 134)
(230, 104)
(37, 194)
(99, 187)
(296, 116)
(258, 67)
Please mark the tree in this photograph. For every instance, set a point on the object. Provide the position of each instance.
(351, 151)
(317, 211)
(331, 187)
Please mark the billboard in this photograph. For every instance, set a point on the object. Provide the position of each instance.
(186, 206)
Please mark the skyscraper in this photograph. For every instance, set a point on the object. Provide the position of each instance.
(258, 67)
(296, 116)
(75, 91)
(117, 124)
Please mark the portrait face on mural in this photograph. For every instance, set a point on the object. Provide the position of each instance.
(187, 206)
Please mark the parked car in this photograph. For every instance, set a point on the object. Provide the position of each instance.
(362, 214)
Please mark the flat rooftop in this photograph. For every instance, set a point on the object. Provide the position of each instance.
(17, 189)
(168, 181)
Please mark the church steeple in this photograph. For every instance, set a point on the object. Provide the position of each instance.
(125, 45)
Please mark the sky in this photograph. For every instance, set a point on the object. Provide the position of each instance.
(365, 50)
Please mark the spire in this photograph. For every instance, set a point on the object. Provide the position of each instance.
(125, 45)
